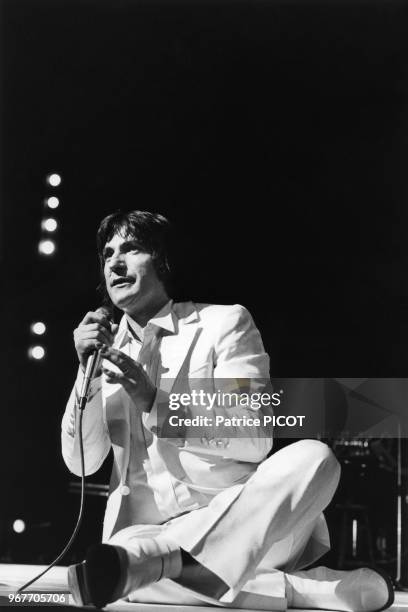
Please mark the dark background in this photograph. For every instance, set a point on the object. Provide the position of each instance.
(273, 134)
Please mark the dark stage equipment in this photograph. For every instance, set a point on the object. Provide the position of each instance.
(403, 579)
(366, 518)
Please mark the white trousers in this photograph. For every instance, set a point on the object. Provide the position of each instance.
(250, 534)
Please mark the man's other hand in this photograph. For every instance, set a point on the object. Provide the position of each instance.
(94, 331)
(132, 377)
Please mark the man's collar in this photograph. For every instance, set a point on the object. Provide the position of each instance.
(165, 319)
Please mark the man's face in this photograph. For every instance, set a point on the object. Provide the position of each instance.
(130, 277)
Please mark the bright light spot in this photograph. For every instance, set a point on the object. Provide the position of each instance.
(50, 225)
(54, 180)
(38, 328)
(354, 528)
(19, 526)
(46, 247)
(36, 352)
(52, 202)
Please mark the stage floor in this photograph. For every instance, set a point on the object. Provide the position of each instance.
(13, 576)
(400, 605)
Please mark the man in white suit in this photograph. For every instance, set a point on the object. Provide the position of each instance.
(194, 514)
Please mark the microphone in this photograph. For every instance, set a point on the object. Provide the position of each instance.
(91, 364)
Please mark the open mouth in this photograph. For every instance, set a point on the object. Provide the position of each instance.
(122, 280)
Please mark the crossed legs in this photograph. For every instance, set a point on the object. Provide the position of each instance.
(236, 550)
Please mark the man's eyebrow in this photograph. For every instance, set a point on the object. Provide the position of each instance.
(131, 243)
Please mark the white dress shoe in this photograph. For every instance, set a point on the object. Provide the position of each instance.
(360, 590)
(112, 572)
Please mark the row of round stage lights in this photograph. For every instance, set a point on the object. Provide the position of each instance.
(37, 351)
(47, 247)
(49, 224)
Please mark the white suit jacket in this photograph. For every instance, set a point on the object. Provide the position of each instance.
(209, 345)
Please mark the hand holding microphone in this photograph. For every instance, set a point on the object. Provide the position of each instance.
(94, 331)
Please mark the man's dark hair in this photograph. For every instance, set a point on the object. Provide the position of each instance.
(151, 230)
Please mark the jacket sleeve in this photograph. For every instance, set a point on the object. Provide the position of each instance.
(96, 440)
(241, 370)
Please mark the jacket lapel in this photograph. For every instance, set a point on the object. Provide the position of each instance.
(175, 347)
(116, 405)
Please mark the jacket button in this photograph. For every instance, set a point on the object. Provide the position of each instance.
(124, 490)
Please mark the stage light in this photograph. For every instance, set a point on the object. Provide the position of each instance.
(54, 179)
(36, 352)
(354, 538)
(46, 247)
(52, 202)
(38, 328)
(49, 225)
(19, 526)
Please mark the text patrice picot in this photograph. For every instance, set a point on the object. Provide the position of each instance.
(222, 399)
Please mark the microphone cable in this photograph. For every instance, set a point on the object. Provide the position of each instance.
(80, 406)
(80, 514)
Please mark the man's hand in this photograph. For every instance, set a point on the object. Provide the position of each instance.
(132, 377)
(92, 333)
